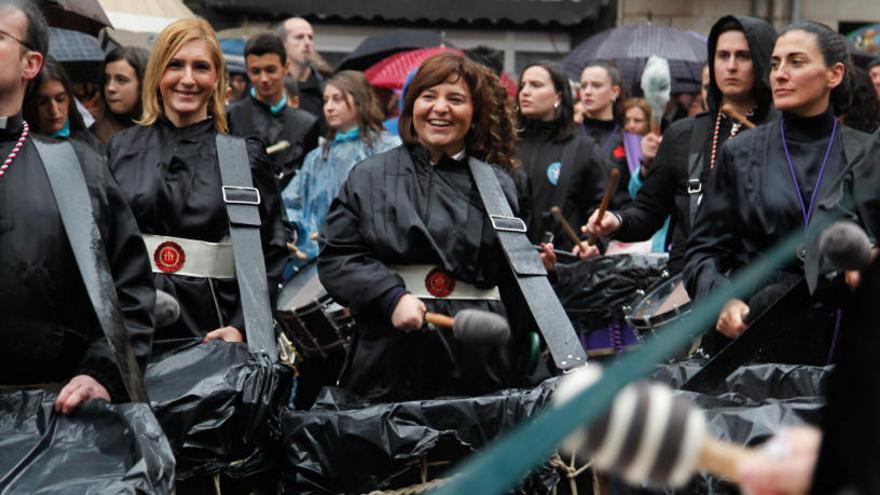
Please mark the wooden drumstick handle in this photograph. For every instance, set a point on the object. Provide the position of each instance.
(737, 116)
(278, 147)
(439, 320)
(296, 252)
(609, 191)
(566, 227)
(721, 458)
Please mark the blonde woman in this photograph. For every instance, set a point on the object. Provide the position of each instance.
(168, 170)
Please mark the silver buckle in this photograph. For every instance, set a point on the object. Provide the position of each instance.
(236, 190)
(695, 186)
(507, 224)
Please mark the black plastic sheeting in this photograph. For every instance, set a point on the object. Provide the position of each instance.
(757, 401)
(594, 291)
(100, 448)
(218, 404)
(345, 445)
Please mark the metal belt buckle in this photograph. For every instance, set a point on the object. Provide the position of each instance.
(239, 195)
(695, 186)
(507, 224)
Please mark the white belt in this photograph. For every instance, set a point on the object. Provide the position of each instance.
(433, 282)
(190, 257)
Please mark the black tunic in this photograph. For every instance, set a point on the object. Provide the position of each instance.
(171, 178)
(751, 203)
(566, 174)
(609, 137)
(396, 208)
(48, 328)
(250, 118)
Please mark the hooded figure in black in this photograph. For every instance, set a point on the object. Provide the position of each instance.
(769, 180)
(264, 113)
(684, 159)
(562, 166)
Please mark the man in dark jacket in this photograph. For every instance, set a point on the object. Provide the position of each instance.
(265, 113)
(739, 64)
(49, 332)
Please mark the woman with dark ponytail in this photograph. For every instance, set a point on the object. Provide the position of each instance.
(768, 182)
(602, 95)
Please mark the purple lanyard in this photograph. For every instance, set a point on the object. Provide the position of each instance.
(808, 213)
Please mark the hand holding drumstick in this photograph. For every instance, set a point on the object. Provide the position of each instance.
(583, 249)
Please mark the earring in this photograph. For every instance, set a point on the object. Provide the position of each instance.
(556, 105)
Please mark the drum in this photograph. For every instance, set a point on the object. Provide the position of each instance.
(317, 325)
(663, 303)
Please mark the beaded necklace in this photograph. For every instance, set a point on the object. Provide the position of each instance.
(25, 129)
(733, 131)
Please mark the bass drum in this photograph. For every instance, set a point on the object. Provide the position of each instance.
(320, 329)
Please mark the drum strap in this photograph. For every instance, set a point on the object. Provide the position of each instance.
(242, 201)
(75, 207)
(699, 135)
(531, 277)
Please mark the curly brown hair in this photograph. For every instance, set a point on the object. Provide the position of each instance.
(492, 136)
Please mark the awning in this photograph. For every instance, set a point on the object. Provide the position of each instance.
(561, 12)
(144, 17)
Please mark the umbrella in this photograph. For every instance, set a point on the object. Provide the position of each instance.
(375, 48)
(80, 53)
(144, 17)
(391, 72)
(80, 15)
(631, 46)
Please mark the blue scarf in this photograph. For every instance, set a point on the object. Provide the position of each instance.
(64, 132)
(276, 108)
(347, 136)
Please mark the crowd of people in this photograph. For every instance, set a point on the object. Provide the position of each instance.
(396, 220)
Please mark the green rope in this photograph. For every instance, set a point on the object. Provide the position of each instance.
(499, 467)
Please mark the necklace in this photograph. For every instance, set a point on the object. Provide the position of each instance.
(808, 212)
(15, 149)
(734, 129)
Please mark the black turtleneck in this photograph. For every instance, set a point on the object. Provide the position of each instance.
(807, 142)
(600, 130)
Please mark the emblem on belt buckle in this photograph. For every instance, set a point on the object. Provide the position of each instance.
(439, 282)
(169, 257)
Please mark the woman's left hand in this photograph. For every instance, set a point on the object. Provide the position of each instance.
(226, 334)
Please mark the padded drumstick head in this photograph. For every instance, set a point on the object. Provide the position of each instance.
(166, 311)
(473, 326)
(846, 245)
(648, 436)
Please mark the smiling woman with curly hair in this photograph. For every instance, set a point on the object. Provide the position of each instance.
(408, 233)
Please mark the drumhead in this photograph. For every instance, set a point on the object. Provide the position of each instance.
(302, 290)
(665, 301)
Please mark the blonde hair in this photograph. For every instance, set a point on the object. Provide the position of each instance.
(169, 42)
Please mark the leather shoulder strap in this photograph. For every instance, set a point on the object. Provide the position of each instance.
(75, 207)
(531, 277)
(242, 201)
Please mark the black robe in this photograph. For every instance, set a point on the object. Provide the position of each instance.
(750, 202)
(48, 328)
(566, 174)
(251, 118)
(609, 137)
(171, 178)
(396, 208)
(664, 191)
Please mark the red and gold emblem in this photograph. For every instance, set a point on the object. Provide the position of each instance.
(169, 257)
(619, 152)
(439, 282)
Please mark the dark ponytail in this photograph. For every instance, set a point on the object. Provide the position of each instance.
(613, 74)
(834, 51)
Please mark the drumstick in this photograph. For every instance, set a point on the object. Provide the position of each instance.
(566, 227)
(473, 326)
(296, 252)
(612, 184)
(737, 116)
(278, 147)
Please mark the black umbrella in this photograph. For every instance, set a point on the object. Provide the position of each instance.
(81, 15)
(631, 46)
(80, 53)
(376, 48)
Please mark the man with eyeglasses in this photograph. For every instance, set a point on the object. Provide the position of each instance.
(49, 332)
